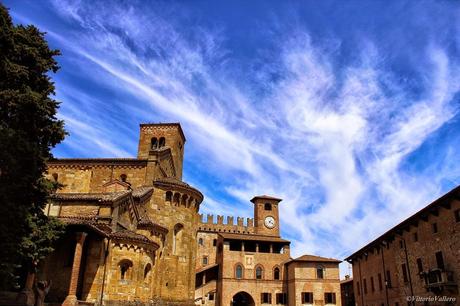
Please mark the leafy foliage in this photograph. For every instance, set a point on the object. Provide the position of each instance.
(28, 130)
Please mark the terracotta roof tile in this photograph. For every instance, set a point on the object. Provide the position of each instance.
(103, 197)
(314, 258)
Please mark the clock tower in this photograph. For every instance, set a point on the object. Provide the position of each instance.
(266, 217)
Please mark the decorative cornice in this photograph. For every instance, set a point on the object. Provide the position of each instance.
(170, 183)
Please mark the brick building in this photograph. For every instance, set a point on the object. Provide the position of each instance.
(420, 258)
(248, 263)
(347, 292)
(135, 236)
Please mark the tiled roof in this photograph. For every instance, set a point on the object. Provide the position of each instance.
(206, 268)
(88, 222)
(173, 182)
(314, 258)
(141, 191)
(252, 237)
(132, 236)
(103, 197)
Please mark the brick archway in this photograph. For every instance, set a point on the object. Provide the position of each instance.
(242, 299)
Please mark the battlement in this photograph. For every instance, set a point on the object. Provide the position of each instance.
(243, 225)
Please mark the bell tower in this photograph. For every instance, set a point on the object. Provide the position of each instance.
(266, 216)
(157, 137)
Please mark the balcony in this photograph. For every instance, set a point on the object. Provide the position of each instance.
(437, 280)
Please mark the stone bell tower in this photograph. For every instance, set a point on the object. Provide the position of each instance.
(266, 216)
(155, 138)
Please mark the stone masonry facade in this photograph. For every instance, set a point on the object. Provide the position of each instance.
(135, 237)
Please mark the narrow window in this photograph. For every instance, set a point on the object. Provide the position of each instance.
(168, 196)
(329, 297)
(205, 260)
(415, 237)
(365, 286)
(372, 284)
(320, 272)
(401, 244)
(214, 242)
(200, 241)
(434, 227)
(239, 272)
(404, 271)
(266, 298)
(419, 265)
(307, 297)
(457, 215)
(358, 288)
(147, 269)
(154, 143)
(276, 273)
(123, 178)
(388, 280)
(162, 142)
(177, 238)
(380, 281)
(259, 273)
(440, 260)
(268, 206)
(55, 176)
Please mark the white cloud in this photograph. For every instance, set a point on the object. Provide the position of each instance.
(331, 145)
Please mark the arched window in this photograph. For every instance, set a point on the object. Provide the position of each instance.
(320, 272)
(125, 267)
(259, 272)
(154, 143)
(123, 178)
(184, 200)
(268, 206)
(276, 273)
(200, 241)
(239, 272)
(168, 197)
(176, 199)
(55, 176)
(162, 142)
(177, 237)
(147, 269)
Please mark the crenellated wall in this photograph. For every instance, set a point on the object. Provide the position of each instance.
(242, 227)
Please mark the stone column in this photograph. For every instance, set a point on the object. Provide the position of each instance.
(271, 248)
(71, 299)
(242, 246)
(257, 247)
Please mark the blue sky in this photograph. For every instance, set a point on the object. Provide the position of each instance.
(348, 110)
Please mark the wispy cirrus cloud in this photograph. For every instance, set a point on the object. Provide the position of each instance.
(330, 133)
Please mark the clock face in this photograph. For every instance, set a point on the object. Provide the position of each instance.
(269, 222)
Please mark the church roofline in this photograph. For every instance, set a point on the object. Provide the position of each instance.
(166, 124)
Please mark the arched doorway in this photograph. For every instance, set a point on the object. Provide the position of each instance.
(242, 299)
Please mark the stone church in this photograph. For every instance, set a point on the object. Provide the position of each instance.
(135, 237)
